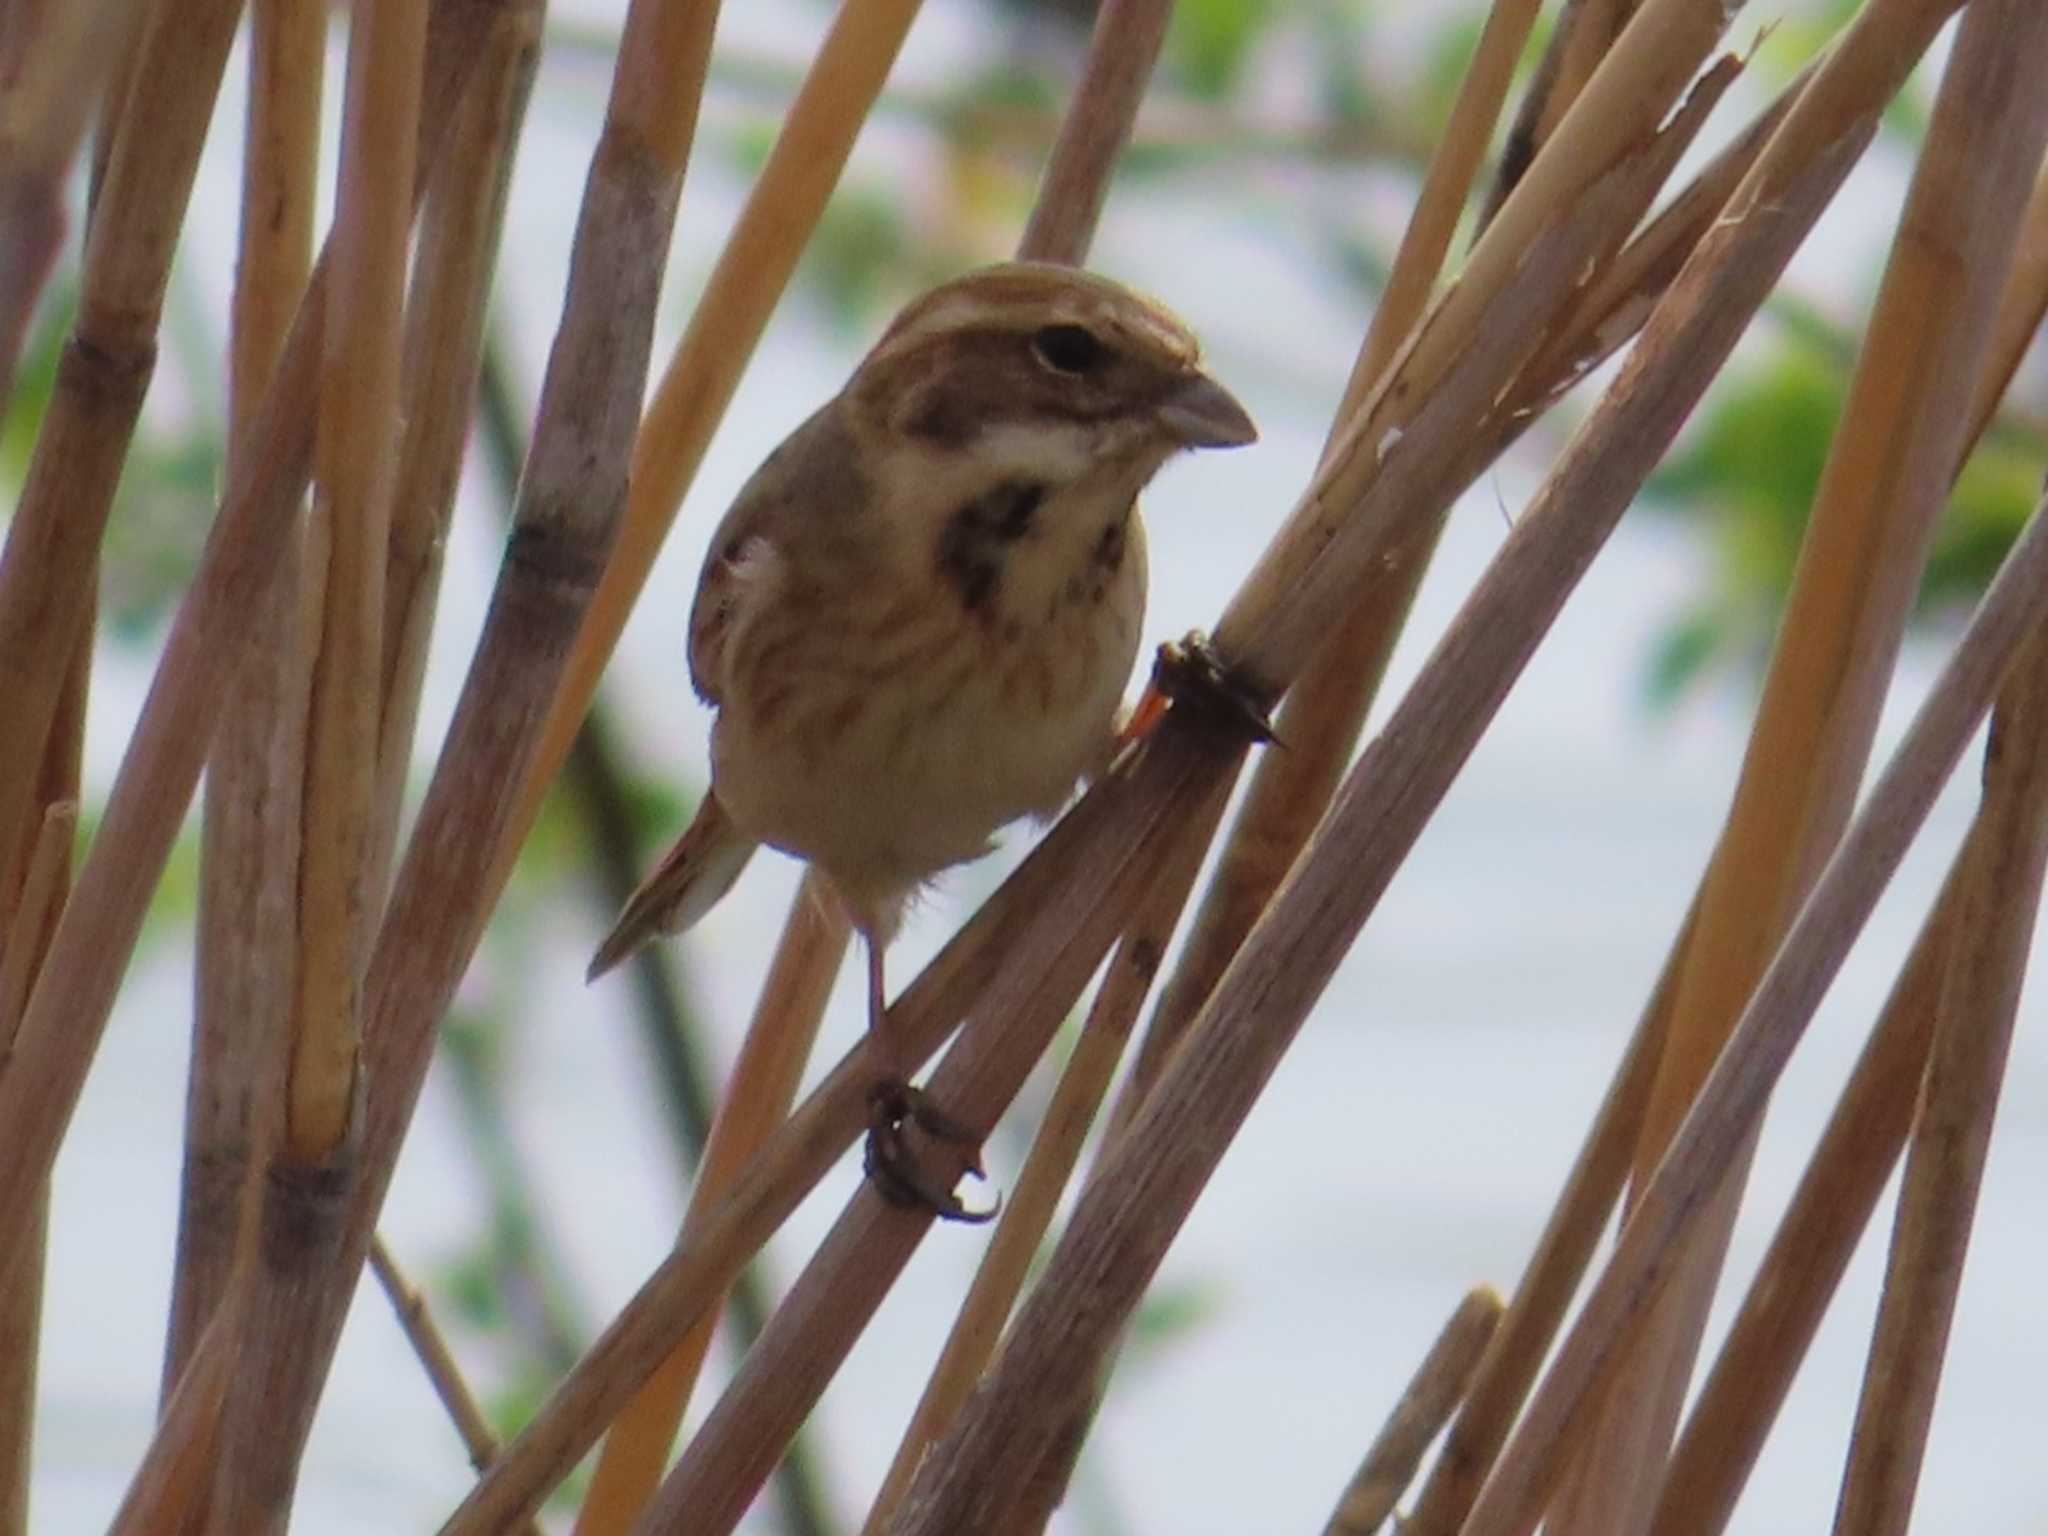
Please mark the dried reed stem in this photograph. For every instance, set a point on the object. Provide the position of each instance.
(1812, 1247)
(1055, 1152)
(753, 269)
(1325, 711)
(249, 846)
(1549, 1282)
(460, 226)
(68, 1011)
(1427, 1402)
(1721, 1125)
(1152, 1173)
(1888, 469)
(1068, 896)
(54, 58)
(438, 1360)
(757, 1099)
(2019, 312)
(31, 918)
(1987, 961)
(1122, 54)
(48, 567)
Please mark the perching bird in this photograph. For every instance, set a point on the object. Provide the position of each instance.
(917, 621)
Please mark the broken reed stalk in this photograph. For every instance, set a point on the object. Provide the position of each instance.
(424, 1334)
(30, 919)
(1811, 1249)
(1888, 469)
(54, 58)
(248, 874)
(756, 1098)
(1029, 1206)
(1428, 1401)
(68, 1011)
(1721, 1125)
(50, 562)
(1987, 961)
(312, 1136)
(1152, 1173)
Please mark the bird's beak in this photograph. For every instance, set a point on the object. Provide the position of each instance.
(1203, 414)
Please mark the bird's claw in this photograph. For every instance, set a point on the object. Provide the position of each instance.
(1190, 674)
(893, 1166)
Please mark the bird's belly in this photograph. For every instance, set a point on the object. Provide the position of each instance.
(886, 764)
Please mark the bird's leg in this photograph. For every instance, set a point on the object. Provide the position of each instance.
(892, 1164)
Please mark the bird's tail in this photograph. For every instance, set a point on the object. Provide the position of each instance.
(686, 884)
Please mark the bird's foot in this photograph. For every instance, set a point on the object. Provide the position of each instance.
(894, 1166)
(1190, 674)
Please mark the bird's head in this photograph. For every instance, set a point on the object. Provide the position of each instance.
(1046, 372)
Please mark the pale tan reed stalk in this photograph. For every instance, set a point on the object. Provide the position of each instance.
(1888, 469)
(248, 880)
(355, 464)
(1425, 1405)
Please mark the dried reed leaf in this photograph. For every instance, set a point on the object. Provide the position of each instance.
(1873, 517)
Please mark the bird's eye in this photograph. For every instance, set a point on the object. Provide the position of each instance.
(1068, 348)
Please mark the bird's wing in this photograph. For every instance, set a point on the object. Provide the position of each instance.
(804, 488)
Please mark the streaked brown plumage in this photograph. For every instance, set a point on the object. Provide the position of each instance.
(917, 621)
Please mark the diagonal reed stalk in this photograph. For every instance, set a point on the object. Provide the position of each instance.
(48, 566)
(1152, 1173)
(1888, 469)
(1999, 895)
(1090, 847)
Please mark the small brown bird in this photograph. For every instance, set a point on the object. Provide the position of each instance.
(917, 621)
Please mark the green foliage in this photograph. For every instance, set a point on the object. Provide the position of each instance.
(1210, 41)
(1750, 476)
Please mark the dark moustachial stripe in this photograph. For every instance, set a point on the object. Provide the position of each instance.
(977, 538)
